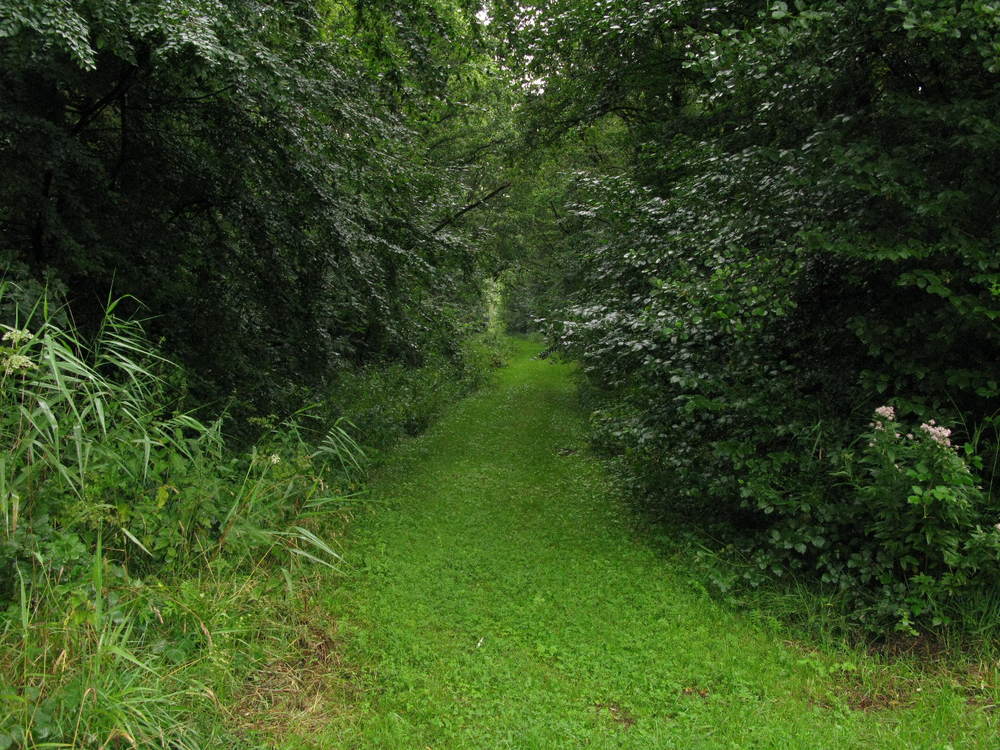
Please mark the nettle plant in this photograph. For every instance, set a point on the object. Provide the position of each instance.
(931, 532)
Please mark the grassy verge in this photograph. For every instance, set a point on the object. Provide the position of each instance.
(504, 596)
(148, 572)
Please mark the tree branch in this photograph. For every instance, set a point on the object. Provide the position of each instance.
(124, 82)
(470, 207)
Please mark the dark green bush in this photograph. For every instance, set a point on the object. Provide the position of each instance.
(797, 237)
(254, 173)
(729, 396)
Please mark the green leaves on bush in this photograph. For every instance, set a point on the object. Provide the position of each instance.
(789, 232)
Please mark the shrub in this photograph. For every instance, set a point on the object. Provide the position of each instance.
(774, 243)
(389, 402)
(930, 535)
(139, 553)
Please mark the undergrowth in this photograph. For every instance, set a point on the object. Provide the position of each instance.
(146, 569)
(823, 611)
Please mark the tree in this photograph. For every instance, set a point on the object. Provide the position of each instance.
(263, 177)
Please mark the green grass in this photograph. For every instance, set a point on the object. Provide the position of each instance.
(502, 596)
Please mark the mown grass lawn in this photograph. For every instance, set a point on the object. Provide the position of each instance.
(501, 597)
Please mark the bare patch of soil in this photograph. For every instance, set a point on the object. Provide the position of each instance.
(299, 694)
(617, 713)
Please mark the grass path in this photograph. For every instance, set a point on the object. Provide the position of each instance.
(501, 599)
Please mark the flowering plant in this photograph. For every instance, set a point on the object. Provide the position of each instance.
(12, 358)
(936, 538)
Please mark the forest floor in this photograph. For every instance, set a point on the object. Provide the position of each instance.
(503, 595)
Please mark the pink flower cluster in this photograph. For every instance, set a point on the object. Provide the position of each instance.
(886, 412)
(937, 433)
(940, 435)
(883, 412)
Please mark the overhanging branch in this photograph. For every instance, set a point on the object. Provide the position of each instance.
(455, 217)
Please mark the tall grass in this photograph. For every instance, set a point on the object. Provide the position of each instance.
(147, 570)
(129, 536)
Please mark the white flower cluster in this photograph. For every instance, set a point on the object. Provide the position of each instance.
(17, 335)
(16, 363)
(937, 433)
(883, 412)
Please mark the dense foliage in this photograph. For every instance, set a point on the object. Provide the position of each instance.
(286, 194)
(804, 231)
(275, 182)
(116, 510)
(767, 232)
